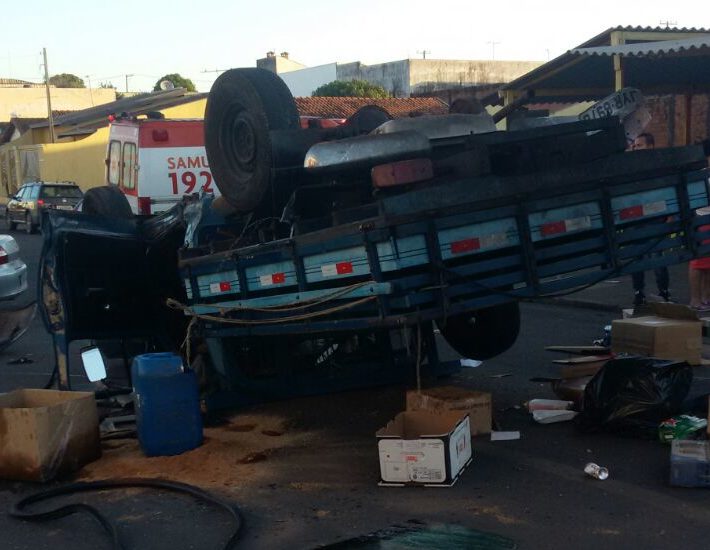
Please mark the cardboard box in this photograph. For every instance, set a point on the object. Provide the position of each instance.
(424, 448)
(666, 331)
(452, 398)
(46, 433)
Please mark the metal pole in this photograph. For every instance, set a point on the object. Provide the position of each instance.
(91, 93)
(127, 81)
(49, 99)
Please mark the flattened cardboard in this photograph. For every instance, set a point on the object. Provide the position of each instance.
(46, 433)
(477, 404)
(424, 448)
(669, 331)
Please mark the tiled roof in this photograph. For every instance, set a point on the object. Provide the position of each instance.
(343, 107)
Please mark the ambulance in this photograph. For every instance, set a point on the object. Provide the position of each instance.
(155, 161)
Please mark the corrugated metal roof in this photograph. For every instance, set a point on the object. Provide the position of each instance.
(655, 66)
(603, 38)
(661, 47)
(96, 117)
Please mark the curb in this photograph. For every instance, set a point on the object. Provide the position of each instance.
(583, 304)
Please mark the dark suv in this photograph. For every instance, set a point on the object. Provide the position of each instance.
(27, 205)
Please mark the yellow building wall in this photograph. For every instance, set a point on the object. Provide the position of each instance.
(79, 161)
(32, 102)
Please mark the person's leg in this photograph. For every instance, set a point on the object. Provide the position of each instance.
(705, 286)
(663, 282)
(695, 282)
(639, 283)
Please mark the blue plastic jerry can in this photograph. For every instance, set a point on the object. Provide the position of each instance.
(167, 404)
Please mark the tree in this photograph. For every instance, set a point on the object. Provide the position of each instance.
(351, 88)
(66, 80)
(177, 80)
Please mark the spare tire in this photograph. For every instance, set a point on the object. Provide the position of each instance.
(243, 106)
(484, 333)
(106, 202)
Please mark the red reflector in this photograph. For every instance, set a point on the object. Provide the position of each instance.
(160, 135)
(631, 212)
(466, 245)
(343, 268)
(144, 205)
(3, 256)
(401, 173)
(224, 286)
(554, 228)
(40, 202)
(278, 278)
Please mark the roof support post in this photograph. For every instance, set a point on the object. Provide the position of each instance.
(618, 38)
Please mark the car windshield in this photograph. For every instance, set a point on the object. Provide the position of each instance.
(60, 191)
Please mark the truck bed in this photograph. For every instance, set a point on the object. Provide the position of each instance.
(460, 246)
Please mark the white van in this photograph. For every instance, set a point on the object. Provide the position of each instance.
(155, 161)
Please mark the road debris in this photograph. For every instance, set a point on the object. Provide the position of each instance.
(596, 471)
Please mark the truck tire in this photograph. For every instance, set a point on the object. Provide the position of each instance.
(243, 106)
(484, 333)
(106, 202)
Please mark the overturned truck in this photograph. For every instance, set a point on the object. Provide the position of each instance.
(334, 252)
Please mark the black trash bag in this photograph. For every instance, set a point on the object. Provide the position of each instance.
(633, 395)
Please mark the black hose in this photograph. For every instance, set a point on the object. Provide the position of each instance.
(19, 511)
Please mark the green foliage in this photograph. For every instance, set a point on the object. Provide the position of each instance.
(351, 88)
(178, 81)
(107, 85)
(66, 80)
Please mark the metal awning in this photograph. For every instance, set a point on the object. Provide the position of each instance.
(700, 45)
(680, 65)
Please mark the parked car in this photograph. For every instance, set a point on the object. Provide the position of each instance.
(27, 205)
(13, 271)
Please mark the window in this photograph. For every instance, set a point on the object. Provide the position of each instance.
(129, 165)
(34, 192)
(60, 191)
(22, 193)
(114, 162)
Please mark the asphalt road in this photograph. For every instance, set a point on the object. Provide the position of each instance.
(324, 489)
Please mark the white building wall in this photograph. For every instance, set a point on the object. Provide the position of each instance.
(303, 82)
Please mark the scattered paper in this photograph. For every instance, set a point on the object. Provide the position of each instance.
(552, 416)
(504, 436)
(549, 404)
(471, 363)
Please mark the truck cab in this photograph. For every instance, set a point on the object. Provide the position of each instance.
(155, 161)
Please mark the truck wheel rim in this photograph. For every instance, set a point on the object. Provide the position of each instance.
(239, 135)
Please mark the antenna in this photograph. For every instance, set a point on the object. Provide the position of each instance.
(423, 52)
(166, 85)
(493, 44)
(668, 23)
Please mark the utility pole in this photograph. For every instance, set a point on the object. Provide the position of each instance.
(493, 48)
(423, 52)
(49, 99)
(91, 93)
(668, 23)
(127, 76)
